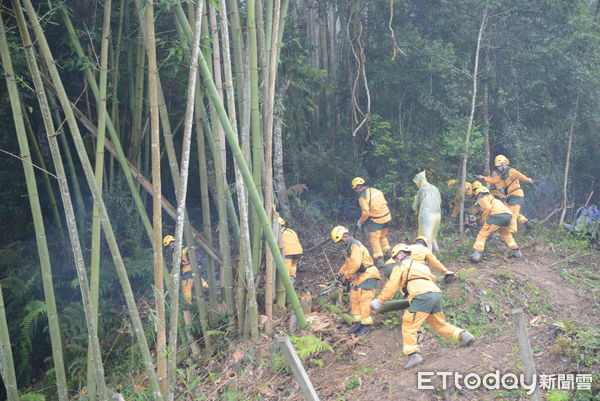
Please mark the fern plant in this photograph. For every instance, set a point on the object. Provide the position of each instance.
(308, 346)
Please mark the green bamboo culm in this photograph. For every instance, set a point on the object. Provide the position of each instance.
(98, 171)
(47, 184)
(91, 80)
(7, 367)
(38, 219)
(248, 180)
(96, 193)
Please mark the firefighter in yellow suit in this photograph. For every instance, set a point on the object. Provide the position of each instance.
(187, 281)
(455, 202)
(507, 181)
(417, 284)
(496, 216)
(292, 249)
(359, 270)
(374, 208)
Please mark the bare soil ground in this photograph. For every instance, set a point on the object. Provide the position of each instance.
(553, 283)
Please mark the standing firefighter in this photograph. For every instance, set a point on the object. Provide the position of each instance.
(187, 281)
(357, 268)
(427, 205)
(507, 181)
(416, 282)
(496, 216)
(292, 249)
(374, 208)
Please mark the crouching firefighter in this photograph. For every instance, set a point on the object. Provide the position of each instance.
(359, 270)
(417, 284)
(187, 279)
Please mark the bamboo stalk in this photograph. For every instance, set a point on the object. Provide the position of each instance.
(7, 367)
(98, 171)
(70, 215)
(91, 80)
(146, 17)
(38, 221)
(257, 156)
(245, 263)
(47, 184)
(248, 180)
(106, 225)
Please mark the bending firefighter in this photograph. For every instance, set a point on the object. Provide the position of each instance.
(507, 182)
(417, 284)
(357, 268)
(496, 216)
(455, 202)
(291, 249)
(187, 280)
(374, 208)
(419, 252)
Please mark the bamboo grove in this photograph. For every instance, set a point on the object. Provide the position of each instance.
(206, 119)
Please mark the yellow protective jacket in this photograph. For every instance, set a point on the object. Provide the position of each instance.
(491, 206)
(356, 256)
(414, 275)
(508, 182)
(373, 206)
(290, 243)
(422, 254)
(186, 267)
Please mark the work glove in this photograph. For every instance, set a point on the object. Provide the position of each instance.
(375, 304)
(358, 224)
(449, 277)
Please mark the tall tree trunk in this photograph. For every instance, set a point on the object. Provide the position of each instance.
(469, 126)
(106, 225)
(486, 112)
(568, 162)
(99, 170)
(38, 222)
(278, 175)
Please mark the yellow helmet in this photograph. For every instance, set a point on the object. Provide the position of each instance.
(168, 239)
(357, 181)
(481, 189)
(476, 184)
(451, 182)
(399, 247)
(422, 238)
(501, 159)
(281, 221)
(338, 232)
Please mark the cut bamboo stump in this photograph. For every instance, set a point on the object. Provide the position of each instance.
(525, 348)
(289, 353)
(306, 303)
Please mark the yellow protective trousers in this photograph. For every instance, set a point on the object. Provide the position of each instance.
(360, 303)
(378, 238)
(186, 286)
(515, 210)
(485, 232)
(290, 265)
(412, 321)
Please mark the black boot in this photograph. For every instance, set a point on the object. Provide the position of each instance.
(362, 330)
(354, 328)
